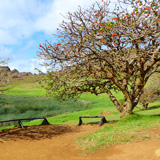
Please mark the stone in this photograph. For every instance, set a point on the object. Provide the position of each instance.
(157, 153)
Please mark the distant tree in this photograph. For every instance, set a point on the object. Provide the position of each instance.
(151, 93)
(101, 49)
(2, 62)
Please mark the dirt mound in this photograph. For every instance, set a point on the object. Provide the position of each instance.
(56, 142)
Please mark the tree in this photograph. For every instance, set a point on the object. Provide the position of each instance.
(99, 50)
(151, 93)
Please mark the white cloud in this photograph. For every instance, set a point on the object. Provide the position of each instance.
(21, 19)
(51, 20)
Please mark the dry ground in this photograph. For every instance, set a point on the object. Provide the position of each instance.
(56, 142)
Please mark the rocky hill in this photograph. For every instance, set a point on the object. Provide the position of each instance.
(7, 75)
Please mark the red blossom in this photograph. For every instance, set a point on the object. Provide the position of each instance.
(101, 31)
(113, 34)
(116, 17)
(148, 8)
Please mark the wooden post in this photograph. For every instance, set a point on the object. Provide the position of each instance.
(20, 123)
(45, 122)
(103, 120)
(80, 121)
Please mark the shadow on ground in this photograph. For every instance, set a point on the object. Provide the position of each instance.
(36, 132)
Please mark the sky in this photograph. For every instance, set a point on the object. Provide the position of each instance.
(24, 24)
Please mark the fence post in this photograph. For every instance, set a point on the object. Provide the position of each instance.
(20, 123)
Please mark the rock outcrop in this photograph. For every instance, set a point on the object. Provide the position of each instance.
(7, 75)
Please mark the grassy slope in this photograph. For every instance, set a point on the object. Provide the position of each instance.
(125, 130)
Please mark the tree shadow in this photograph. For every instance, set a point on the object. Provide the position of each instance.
(153, 107)
(36, 132)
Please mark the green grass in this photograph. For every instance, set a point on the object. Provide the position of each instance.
(131, 128)
(32, 89)
(27, 100)
(16, 107)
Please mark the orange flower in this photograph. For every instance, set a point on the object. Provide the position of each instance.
(109, 27)
(127, 16)
(116, 17)
(130, 34)
(73, 33)
(137, 1)
(113, 34)
(148, 8)
(101, 31)
(115, 73)
(131, 13)
(122, 19)
(101, 24)
(115, 44)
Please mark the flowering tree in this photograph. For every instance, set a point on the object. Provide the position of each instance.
(101, 49)
(151, 93)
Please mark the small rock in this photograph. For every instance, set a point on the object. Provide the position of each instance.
(157, 152)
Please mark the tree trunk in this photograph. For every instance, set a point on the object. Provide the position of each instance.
(145, 105)
(127, 109)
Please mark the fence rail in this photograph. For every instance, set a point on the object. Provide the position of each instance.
(45, 121)
(103, 119)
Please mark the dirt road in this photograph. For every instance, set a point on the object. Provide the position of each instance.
(57, 143)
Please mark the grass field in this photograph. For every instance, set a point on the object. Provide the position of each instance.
(27, 100)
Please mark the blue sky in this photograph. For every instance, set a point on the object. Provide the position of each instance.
(24, 24)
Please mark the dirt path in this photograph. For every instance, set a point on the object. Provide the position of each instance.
(56, 143)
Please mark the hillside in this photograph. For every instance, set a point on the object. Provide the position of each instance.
(8, 76)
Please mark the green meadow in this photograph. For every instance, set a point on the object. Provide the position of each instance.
(28, 100)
